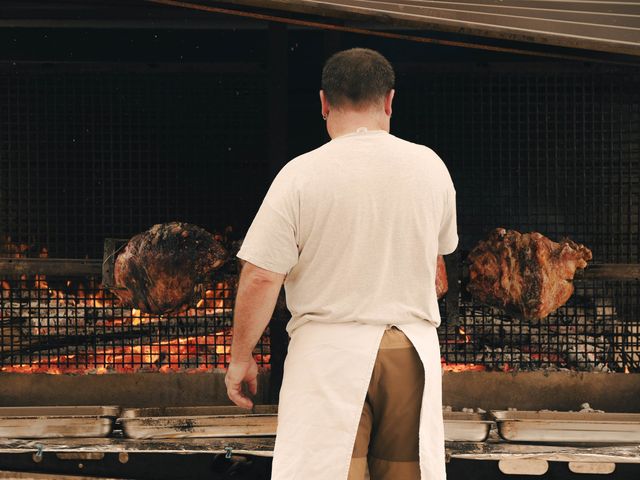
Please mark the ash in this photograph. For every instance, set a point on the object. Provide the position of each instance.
(586, 334)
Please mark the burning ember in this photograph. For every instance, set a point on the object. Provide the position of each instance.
(463, 334)
(75, 326)
(461, 367)
(167, 356)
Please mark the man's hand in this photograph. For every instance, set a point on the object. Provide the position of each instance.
(239, 372)
(257, 294)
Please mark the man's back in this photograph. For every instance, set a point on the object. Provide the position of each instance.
(370, 213)
(353, 229)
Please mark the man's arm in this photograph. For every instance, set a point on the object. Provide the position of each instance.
(258, 291)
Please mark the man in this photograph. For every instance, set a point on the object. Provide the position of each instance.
(353, 229)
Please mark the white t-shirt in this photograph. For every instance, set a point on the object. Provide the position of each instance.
(356, 225)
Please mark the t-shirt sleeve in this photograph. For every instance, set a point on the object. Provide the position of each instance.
(448, 237)
(271, 242)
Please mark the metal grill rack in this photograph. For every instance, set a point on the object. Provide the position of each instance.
(553, 149)
(72, 325)
(86, 155)
(536, 148)
(588, 333)
(91, 152)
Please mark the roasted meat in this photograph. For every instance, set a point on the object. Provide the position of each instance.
(527, 275)
(159, 271)
(442, 285)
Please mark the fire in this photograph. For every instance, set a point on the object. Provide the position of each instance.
(9, 249)
(219, 298)
(165, 356)
(463, 334)
(461, 367)
(90, 304)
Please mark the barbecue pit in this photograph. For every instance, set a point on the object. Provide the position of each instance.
(99, 149)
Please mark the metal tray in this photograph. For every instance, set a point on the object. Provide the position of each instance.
(568, 427)
(185, 422)
(199, 422)
(466, 427)
(57, 422)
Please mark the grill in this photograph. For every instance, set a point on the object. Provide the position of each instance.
(588, 333)
(73, 325)
(554, 150)
(86, 155)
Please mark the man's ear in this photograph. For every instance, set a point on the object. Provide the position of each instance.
(324, 105)
(388, 100)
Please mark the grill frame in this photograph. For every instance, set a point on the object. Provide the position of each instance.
(566, 132)
(50, 327)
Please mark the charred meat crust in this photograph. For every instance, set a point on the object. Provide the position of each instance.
(160, 271)
(527, 275)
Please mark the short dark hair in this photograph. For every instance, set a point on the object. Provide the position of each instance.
(358, 76)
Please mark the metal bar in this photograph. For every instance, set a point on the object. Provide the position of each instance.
(507, 27)
(11, 475)
(610, 271)
(49, 266)
(452, 263)
(540, 7)
(559, 21)
(108, 262)
(363, 31)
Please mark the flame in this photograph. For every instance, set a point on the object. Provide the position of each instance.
(220, 298)
(164, 356)
(461, 367)
(189, 353)
(10, 249)
(463, 334)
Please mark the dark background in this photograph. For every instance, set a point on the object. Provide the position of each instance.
(104, 132)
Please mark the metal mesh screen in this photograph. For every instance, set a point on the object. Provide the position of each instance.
(71, 325)
(94, 151)
(88, 155)
(587, 333)
(551, 151)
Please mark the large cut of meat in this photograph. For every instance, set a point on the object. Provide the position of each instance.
(159, 271)
(527, 274)
(442, 284)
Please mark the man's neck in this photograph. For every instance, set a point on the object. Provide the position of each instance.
(344, 122)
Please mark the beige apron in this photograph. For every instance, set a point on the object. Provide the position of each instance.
(327, 374)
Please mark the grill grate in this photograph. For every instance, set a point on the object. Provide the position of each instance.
(588, 333)
(72, 325)
(538, 150)
(88, 155)
(549, 150)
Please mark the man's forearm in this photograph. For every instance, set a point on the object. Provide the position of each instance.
(258, 291)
